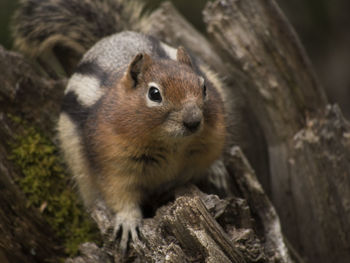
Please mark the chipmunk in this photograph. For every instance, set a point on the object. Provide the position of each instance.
(138, 117)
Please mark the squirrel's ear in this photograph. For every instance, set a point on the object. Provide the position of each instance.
(183, 57)
(136, 67)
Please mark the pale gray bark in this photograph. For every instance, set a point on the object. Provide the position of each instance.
(308, 142)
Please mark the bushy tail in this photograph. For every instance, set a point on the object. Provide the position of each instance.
(40, 25)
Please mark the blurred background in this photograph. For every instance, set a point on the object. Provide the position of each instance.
(323, 26)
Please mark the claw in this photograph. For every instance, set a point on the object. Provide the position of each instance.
(135, 234)
(124, 240)
(117, 227)
(127, 222)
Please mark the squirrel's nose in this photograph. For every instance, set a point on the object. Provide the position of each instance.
(192, 118)
(192, 125)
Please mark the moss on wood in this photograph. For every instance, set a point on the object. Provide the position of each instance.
(48, 187)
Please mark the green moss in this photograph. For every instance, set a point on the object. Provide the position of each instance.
(48, 188)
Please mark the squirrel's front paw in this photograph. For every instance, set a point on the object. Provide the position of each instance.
(127, 222)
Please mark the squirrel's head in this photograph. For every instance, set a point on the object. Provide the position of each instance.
(164, 97)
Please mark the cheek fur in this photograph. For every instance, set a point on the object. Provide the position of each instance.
(150, 118)
(213, 107)
(172, 125)
(140, 120)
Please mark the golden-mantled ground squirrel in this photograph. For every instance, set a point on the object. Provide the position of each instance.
(138, 117)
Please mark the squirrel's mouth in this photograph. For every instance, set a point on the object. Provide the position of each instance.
(183, 131)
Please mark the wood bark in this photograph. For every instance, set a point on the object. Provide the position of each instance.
(199, 227)
(24, 236)
(308, 141)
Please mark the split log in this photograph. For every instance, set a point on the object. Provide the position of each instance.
(195, 227)
(260, 205)
(308, 142)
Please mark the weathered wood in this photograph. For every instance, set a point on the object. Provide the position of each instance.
(24, 236)
(255, 37)
(260, 205)
(24, 91)
(195, 231)
(196, 227)
(284, 94)
(319, 166)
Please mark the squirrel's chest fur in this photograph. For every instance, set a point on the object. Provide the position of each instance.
(149, 163)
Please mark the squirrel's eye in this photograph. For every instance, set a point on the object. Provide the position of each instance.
(154, 94)
(204, 87)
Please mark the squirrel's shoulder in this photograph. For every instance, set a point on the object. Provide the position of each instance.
(117, 50)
